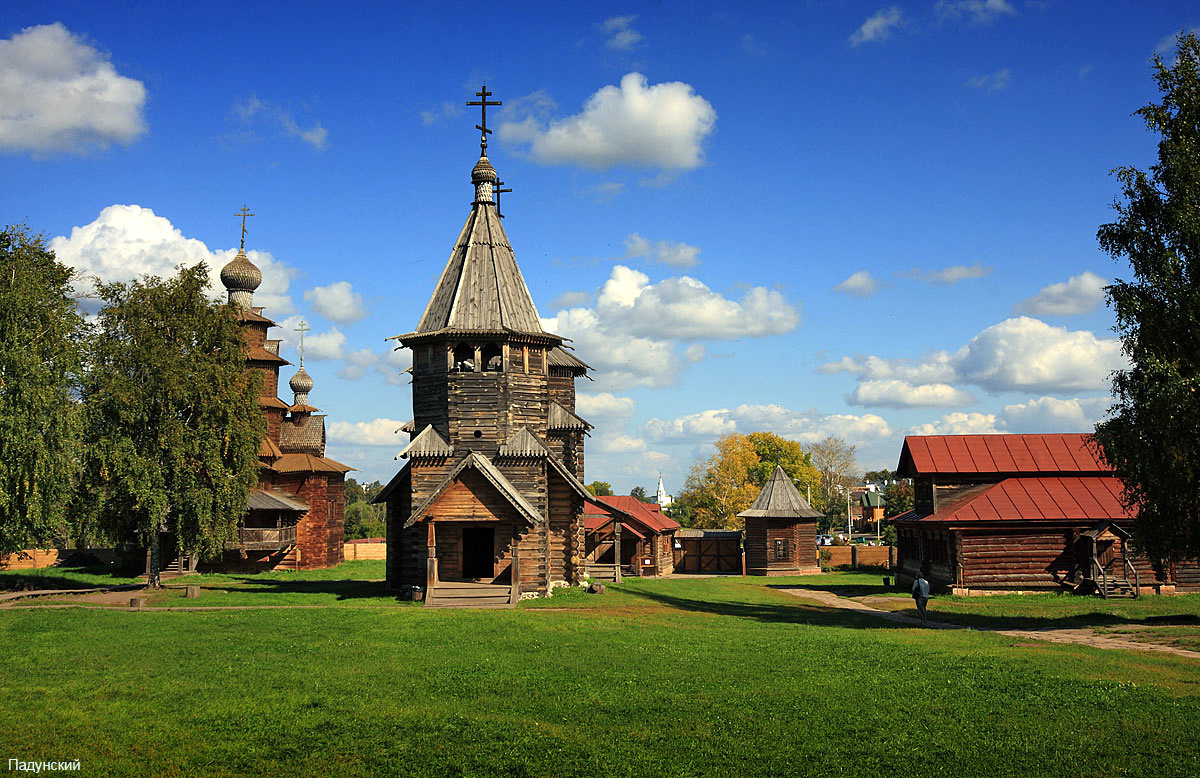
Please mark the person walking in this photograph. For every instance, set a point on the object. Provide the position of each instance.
(920, 593)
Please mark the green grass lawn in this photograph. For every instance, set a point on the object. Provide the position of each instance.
(718, 676)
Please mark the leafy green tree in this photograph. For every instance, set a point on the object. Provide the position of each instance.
(639, 493)
(898, 497)
(835, 462)
(363, 520)
(600, 489)
(41, 336)
(354, 492)
(1152, 438)
(171, 420)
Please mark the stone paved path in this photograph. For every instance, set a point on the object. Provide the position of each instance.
(1083, 636)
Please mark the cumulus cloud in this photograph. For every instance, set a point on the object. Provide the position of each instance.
(127, 241)
(447, 110)
(860, 284)
(1018, 354)
(893, 393)
(318, 346)
(878, 27)
(603, 406)
(665, 252)
(1078, 294)
(950, 275)
(804, 426)
(337, 302)
(991, 82)
(958, 424)
(254, 110)
(57, 93)
(1048, 414)
(621, 444)
(652, 126)
(377, 432)
(974, 11)
(621, 34)
(628, 335)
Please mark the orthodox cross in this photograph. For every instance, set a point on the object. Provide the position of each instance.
(302, 328)
(244, 212)
(483, 104)
(497, 190)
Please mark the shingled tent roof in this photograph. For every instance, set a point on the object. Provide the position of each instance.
(481, 287)
(779, 499)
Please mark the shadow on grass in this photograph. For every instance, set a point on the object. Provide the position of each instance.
(68, 576)
(774, 613)
(341, 590)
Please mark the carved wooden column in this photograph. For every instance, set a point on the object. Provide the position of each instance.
(431, 571)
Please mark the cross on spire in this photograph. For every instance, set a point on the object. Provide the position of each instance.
(483, 104)
(302, 328)
(244, 212)
(496, 190)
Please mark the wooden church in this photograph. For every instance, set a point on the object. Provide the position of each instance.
(488, 506)
(294, 519)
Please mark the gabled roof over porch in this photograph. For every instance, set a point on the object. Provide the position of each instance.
(492, 475)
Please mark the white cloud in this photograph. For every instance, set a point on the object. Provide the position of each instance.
(665, 252)
(253, 110)
(318, 346)
(958, 424)
(753, 46)
(447, 110)
(892, 393)
(975, 11)
(606, 406)
(621, 444)
(860, 284)
(377, 432)
(1018, 354)
(695, 353)
(57, 93)
(685, 308)
(950, 275)
(992, 82)
(127, 241)
(337, 302)
(1169, 42)
(804, 426)
(620, 32)
(659, 126)
(572, 300)
(1047, 414)
(878, 27)
(620, 358)
(1078, 294)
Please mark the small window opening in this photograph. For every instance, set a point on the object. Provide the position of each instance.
(492, 357)
(781, 550)
(478, 434)
(464, 358)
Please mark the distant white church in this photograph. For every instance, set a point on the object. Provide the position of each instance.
(663, 498)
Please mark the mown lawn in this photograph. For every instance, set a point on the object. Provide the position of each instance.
(716, 676)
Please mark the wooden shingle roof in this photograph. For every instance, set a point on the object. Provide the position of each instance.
(428, 444)
(779, 499)
(562, 419)
(560, 357)
(481, 287)
(303, 434)
(524, 444)
(484, 467)
(275, 500)
(1074, 453)
(308, 463)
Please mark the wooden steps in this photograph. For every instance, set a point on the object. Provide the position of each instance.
(1117, 587)
(467, 594)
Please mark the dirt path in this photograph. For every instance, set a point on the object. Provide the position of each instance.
(1083, 636)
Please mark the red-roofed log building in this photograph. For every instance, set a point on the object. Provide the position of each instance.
(1022, 512)
(488, 507)
(639, 533)
(294, 519)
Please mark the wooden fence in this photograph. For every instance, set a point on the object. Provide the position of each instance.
(365, 549)
(858, 556)
(30, 559)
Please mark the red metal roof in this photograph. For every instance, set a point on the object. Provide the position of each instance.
(654, 520)
(1039, 499)
(1000, 454)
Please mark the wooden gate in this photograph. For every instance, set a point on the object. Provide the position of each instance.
(708, 551)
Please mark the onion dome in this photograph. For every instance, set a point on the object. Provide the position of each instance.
(483, 176)
(301, 382)
(241, 278)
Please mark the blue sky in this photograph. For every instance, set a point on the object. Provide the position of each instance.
(858, 219)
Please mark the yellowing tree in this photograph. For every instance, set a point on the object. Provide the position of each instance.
(726, 483)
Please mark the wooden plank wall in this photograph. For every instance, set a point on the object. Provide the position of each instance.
(1016, 558)
(761, 534)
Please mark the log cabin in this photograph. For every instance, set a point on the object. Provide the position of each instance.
(639, 533)
(1022, 513)
(781, 530)
(488, 507)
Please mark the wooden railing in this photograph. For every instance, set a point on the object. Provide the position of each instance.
(1100, 576)
(1129, 568)
(266, 538)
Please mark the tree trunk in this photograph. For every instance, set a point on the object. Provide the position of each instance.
(152, 579)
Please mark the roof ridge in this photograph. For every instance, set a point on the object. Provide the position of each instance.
(428, 444)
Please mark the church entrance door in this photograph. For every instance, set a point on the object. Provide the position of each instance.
(478, 552)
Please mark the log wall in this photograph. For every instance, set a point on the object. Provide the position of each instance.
(801, 539)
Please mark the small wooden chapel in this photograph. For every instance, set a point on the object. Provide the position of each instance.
(488, 506)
